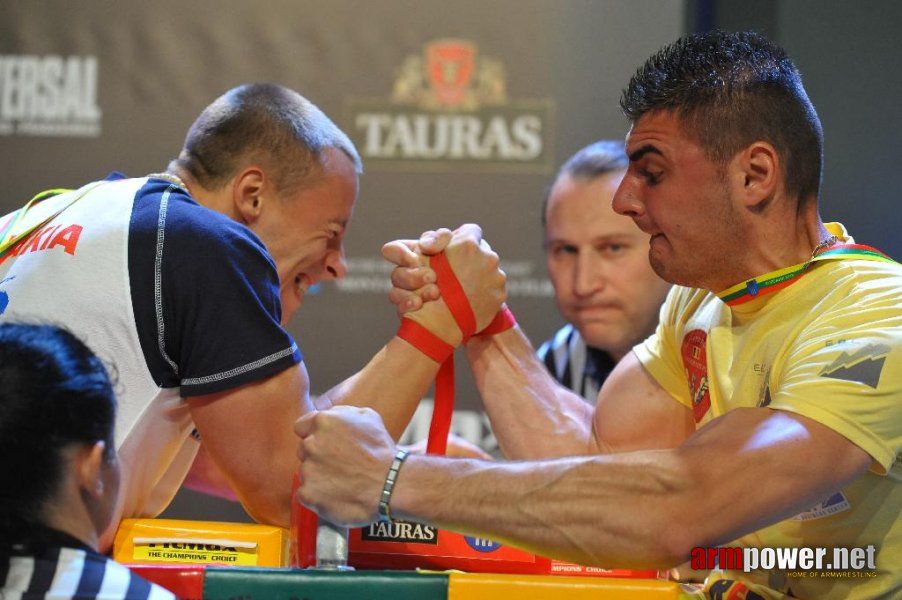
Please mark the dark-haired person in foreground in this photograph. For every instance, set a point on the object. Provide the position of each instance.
(59, 470)
(597, 261)
(183, 280)
(766, 410)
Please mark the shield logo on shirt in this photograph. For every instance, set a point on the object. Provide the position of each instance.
(695, 363)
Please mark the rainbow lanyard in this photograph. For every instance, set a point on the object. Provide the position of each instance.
(781, 278)
(11, 234)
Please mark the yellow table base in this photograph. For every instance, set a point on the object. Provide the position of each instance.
(485, 586)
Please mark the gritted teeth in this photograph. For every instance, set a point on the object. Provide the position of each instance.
(302, 284)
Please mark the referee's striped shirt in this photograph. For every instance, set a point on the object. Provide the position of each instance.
(72, 570)
(576, 366)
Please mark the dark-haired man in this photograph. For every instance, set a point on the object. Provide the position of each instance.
(763, 413)
(182, 280)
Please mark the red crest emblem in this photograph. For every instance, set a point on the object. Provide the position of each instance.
(695, 363)
(450, 64)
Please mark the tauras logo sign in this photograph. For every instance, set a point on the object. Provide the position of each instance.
(400, 531)
(49, 96)
(449, 108)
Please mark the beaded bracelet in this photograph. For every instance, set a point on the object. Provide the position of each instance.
(385, 498)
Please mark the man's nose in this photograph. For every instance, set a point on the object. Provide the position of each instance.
(336, 264)
(589, 276)
(626, 200)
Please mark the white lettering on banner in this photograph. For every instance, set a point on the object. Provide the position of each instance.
(372, 275)
(451, 137)
(362, 284)
(49, 96)
(530, 288)
(449, 109)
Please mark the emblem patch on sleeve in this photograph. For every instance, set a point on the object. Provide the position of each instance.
(863, 365)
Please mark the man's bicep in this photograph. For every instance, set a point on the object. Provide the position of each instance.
(635, 413)
(248, 432)
(789, 460)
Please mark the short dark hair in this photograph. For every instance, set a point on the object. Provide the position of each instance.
(265, 123)
(54, 393)
(730, 90)
(597, 159)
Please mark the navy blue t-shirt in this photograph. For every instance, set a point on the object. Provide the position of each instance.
(205, 294)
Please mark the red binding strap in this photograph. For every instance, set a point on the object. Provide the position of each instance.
(442, 409)
(454, 296)
(503, 321)
(425, 341)
(441, 352)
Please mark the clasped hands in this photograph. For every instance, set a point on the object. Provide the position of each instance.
(345, 452)
(415, 293)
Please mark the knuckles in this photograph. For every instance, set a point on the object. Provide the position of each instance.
(409, 278)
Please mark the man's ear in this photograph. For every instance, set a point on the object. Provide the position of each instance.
(759, 175)
(90, 469)
(247, 193)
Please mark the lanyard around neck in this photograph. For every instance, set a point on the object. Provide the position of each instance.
(13, 232)
(781, 278)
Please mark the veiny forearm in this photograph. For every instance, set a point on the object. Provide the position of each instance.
(531, 414)
(392, 384)
(613, 512)
(643, 509)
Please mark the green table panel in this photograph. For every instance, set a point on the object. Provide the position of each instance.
(309, 584)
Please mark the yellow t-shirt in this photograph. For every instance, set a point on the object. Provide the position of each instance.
(829, 347)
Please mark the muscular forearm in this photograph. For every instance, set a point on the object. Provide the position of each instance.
(532, 416)
(615, 512)
(392, 384)
(644, 509)
(641, 509)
